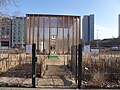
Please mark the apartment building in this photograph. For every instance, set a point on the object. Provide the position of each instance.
(18, 32)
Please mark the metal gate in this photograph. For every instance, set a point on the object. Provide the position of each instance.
(96, 71)
(76, 63)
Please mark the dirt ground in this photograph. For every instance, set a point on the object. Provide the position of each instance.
(57, 75)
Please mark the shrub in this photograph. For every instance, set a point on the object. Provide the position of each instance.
(99, 79)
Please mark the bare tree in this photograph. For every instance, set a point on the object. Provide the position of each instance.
(4, 6)
(17, 13)
(4, 3)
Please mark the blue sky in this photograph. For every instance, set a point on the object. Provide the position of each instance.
(105, 11)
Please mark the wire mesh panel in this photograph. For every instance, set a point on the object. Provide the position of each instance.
(16, 68)
(101, 69)
(73, 62)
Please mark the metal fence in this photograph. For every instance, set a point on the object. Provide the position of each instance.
(76, 63)
(16, 68)
(73, 61)
(102, 69)
(105, 62)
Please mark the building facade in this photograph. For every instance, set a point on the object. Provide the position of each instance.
(18, 31)
(5, 32)
(88, 28)
(53, 33)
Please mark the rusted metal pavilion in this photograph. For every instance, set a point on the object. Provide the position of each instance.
(53, 32)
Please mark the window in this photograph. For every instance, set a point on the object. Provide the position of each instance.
(2, 33)
(18, 27)
(19, 24)
(18, 40)
(7, 32)
(14, 27)
(3, 28)
(18, 30)
(14, 34)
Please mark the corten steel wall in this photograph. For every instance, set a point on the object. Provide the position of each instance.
(39, 28)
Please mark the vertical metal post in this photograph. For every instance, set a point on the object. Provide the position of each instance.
(76, 32)
(30, 30)
(10, 41)
(68, 35)
(38, 33)
(76, 54)
(68, 51)
(73, 32)
(79, 65)
(43, 33)
(33, 65)
(57, 36)
(80, 30)
(49, 32)
(33, 25)
(26, 30)
(63, 36)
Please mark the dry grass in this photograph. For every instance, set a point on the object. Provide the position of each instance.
(99, 79)
(102, 70)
